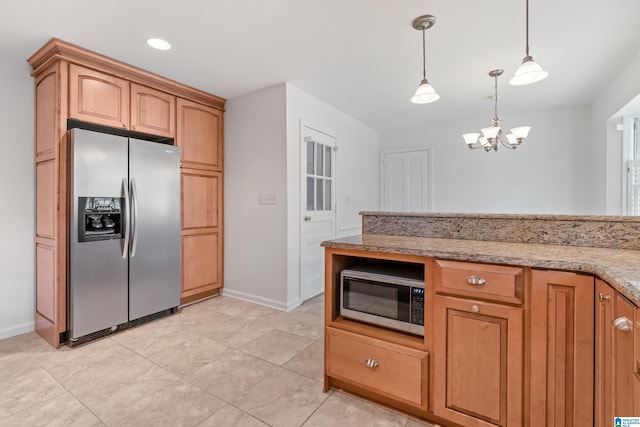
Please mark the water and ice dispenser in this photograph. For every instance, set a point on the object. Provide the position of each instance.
(100, 218)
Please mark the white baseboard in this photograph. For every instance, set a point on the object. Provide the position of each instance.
(14, 330)
(279, 305)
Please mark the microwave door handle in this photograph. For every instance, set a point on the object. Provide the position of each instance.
(126, 216)
(134, 197)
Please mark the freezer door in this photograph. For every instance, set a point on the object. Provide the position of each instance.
(155, 256)
(97, 269)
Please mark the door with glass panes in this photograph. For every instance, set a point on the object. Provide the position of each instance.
(318, 207)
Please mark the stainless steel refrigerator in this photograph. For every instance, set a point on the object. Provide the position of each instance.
(124, 235)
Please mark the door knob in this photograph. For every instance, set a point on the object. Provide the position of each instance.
(307, 218)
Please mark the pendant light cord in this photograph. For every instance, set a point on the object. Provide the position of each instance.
(527, 27)
(424, 63)
(496, 104)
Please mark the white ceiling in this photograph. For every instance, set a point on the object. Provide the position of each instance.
(361, 56)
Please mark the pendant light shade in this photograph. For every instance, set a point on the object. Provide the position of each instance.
(529, 71)
(425, 92)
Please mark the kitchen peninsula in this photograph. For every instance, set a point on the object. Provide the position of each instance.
(526, 318)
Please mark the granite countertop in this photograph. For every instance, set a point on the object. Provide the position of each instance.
(618, 267)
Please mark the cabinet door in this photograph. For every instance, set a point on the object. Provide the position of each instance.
(562, 347)
(201, 263)
(152, 111)
(615, 359)
(603, 407)
(636, 365)
(199, 135)
(201, 199)
(98, 97)
(478, 362)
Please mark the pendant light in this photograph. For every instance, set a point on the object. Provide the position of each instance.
(425, 92)
(529, 71)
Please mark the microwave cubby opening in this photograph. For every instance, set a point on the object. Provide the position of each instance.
(342, 262)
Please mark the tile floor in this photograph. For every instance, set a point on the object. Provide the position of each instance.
(221, 362)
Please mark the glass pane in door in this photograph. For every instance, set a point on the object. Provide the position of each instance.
(310, 193)
(310, 153)
(327, 161)
(319, 158)
(319, 194)
(327, 199)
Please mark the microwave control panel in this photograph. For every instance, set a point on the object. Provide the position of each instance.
(417, 306)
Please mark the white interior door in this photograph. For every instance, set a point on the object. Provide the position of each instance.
(318, 207)
(406, 175)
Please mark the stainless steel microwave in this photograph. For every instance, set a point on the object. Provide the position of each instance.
(390, 295)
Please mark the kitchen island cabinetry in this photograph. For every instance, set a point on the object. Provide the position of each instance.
(74, 83)
(503, 345)
(478, 344)
(561, 329)
(386, 365)
(617, 359)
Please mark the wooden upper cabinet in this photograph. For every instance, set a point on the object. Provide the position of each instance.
(98, 97)
(152, 111)
(199, 135)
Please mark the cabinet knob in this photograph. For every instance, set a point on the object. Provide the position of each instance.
(602, 297)
(475, 308)
(371, 363)
(124, 125)
(622, 323)
(476, 281)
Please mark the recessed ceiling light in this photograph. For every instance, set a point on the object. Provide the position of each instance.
(159, 44)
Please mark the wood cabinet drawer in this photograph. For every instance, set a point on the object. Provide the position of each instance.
(485, 281)
(388, 369)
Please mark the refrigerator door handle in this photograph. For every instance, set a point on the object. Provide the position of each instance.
(127, 226)
(134, 197)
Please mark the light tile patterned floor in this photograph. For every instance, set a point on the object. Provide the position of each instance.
(221, 362)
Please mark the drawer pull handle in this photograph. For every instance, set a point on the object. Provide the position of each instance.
(622, 323)
(476, 280)
(371, 363)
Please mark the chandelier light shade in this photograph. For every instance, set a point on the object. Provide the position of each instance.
(425, 92)
(529, 71)
(492, 136)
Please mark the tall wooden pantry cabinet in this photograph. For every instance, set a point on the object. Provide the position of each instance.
(74, 83)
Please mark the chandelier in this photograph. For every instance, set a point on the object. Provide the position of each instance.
(492, 136)
(425, 92)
